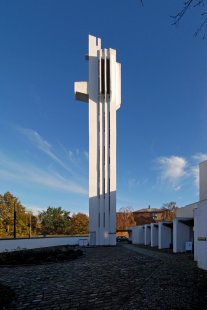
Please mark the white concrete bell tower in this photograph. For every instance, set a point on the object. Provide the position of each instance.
(103, 94)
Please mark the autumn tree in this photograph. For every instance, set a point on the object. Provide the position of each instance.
(7, 202)
(55, 221)
(9, 207)
(125, 218)
(169, 211)
(79, 224)
(33, 220)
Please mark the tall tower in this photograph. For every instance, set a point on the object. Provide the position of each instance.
(103, 93)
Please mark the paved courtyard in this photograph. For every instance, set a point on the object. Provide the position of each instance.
(122, 277)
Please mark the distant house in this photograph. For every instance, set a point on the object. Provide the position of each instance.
(137, 218)
(148, 215)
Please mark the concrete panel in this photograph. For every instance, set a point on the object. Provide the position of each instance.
(203, 180)
(165, 235)
(81, 91)
(187, 211)
(136, 234)
(147, 234)
(154, 234)
(200, 236)
(141, 231)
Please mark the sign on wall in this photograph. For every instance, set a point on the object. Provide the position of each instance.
(188, 246)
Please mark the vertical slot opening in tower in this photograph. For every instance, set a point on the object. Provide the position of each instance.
(108, 76)
(102, 76)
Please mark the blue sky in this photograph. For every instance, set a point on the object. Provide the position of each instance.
(161, 125)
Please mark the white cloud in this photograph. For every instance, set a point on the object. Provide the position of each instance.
(133, 183)
(74, 156)
(125, 202)
(200, 157)
(35, 138)
(194, 171)
(77, 155)
(35, 209)
(173, 169)
(40, 143)
(85, 153)
(70, 154)
(17, 171)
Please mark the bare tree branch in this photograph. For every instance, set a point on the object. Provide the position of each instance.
(187, 4)
(176, 18)
(202, 27)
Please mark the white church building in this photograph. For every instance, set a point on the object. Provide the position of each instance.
(102, 92)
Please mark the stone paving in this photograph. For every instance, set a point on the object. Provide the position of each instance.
(122, 277)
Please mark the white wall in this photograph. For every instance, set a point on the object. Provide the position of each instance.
(164, 235)
(154, 234)
(136, 234)
(203, 180)
(181, 233)
(141, 233)
(20, 244)
(186, 211)
(133, 234)
(147, 234)
(200, 232)
(130, 230)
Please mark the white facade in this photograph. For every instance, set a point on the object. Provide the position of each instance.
(183, 230)
(147, 234)
(200, 220)
(182, 233)
(103, 94)
(154, 234)
(165, 235)
(200, 236)
(136, 234)
(187, 211)
(203, 180)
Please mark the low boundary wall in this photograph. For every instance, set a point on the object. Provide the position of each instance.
(41, 242)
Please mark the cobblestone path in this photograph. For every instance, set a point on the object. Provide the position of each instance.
(122, 277)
